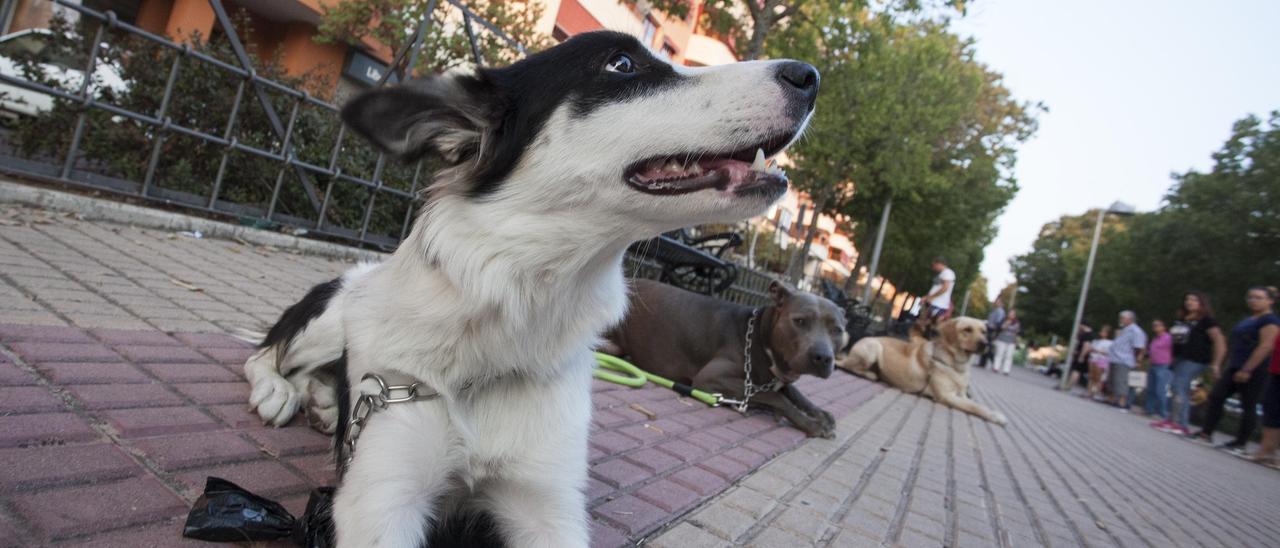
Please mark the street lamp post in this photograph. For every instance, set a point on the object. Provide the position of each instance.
(875, 254)
(1118, 208)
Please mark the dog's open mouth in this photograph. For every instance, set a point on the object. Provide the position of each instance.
(743, 171)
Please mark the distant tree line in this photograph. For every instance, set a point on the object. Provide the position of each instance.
(1216, 232)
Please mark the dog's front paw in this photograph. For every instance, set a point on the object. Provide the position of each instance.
(816, 427)
(827, 418)
(999, 418)
(322, 408)
(275, 399)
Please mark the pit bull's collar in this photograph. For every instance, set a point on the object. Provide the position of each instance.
(767, 322)
(749, 388)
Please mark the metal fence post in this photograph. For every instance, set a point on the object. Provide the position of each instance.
(229, 30)
(162, 114)
(78, 133)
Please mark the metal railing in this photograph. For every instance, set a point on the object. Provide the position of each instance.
(69, 167)
(305, 187)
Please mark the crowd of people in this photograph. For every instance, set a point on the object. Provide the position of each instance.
(1244, 362)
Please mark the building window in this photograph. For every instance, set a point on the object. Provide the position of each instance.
(559, 34)
(650, 30)
(784, 219)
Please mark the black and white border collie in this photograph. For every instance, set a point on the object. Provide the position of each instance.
(513, 270)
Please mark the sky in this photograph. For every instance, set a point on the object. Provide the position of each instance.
(1136, 90)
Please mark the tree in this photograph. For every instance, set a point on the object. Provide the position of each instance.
(445, 45)
(1212, 234)
(748, 23)
(905, 112)
(1052, 272)
(979, 305)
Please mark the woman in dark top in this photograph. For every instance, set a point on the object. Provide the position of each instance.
(1197, 343)
(1251, 343)
(1266, 453)
(1080, 359)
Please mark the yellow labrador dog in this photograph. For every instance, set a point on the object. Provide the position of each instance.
(938, 369)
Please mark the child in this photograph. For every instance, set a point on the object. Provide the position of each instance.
(1160, 353)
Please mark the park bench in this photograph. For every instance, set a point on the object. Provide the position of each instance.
(693, 263)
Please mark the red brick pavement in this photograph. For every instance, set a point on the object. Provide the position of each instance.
(106, 437)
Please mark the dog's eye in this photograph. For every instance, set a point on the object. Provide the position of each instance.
(621, 63)
(801, 322)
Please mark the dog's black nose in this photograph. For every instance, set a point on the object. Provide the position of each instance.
(799, 77)
(821, 359)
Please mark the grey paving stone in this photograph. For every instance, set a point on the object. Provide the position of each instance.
(685, 535)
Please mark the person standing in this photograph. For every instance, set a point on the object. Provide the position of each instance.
(1099, 351)
(1266, 453)
(1080, 359)
(1250, 346)
(1197, 342)
(1160, 358)
(939, 297)
(1126, 352)
(1006, 343)
(994, 320)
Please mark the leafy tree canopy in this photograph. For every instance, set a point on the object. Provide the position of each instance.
(1216, 232)
(445, 45)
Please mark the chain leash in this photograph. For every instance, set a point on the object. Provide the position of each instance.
(749, 388)
(387, 394)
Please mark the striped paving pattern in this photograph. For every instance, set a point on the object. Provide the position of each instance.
(904, 471)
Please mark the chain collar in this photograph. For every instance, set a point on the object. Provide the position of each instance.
(387, 394)
(749, 388)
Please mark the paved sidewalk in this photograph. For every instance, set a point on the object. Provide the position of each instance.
(120, 390)
(1066, 472)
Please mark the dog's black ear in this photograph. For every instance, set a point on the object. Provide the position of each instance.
(447, 114)
(779, 291)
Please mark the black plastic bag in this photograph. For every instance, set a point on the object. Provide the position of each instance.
(228, 513)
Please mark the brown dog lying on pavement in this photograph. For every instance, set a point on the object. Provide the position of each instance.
(707, 343)
(938, 369)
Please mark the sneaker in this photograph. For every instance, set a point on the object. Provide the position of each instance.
(1199, 437)
(1232, 446)
(1176, 429)
(1160, 424)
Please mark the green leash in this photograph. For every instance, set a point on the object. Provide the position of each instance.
(610, 368)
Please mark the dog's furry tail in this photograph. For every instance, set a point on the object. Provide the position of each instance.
(252, 335)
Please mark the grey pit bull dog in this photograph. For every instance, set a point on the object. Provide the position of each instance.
(702, 341)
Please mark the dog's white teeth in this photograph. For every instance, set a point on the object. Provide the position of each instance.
(695, 169)
(674, 167)
(758, 165)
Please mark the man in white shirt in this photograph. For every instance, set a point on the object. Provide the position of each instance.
(938, 301)
(939, 297)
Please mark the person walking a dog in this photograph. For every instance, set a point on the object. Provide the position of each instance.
(1197, 342)
(1126, 351)
(1006, 343)
(938, 307)
(1251, 344)
(994, 320)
